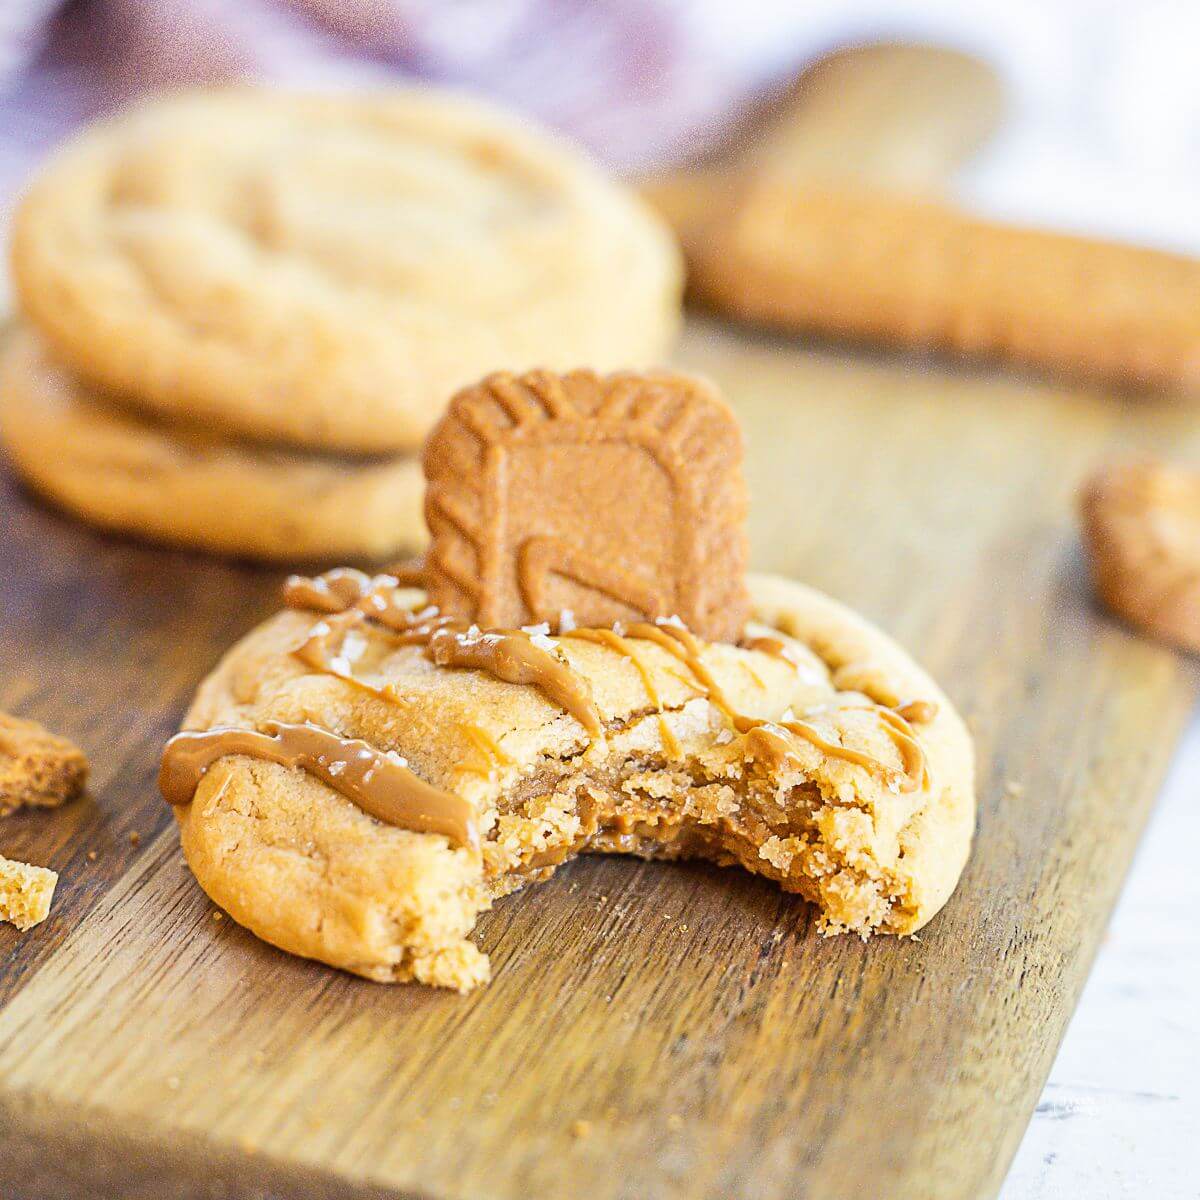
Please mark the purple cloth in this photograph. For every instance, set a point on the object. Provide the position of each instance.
(631, 79)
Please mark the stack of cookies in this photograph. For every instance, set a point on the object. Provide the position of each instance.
(242, 310)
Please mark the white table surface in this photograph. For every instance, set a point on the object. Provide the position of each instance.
(1120, 1115)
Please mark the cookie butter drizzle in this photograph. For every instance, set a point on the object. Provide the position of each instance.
(514, 656)
(615, 642)
(686, 647)
(378, 783)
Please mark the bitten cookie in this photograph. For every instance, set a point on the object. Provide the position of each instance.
(118, 469)
(376, 778)
(328, 270)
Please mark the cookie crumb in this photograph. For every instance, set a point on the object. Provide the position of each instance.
(38, 768)
(135, 838)
(25, 893)
(218, 916)
(92, 855)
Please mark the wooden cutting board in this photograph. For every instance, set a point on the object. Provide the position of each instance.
(652, 1030)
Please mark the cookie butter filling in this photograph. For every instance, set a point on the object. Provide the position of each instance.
(379, 782)
(698, 778)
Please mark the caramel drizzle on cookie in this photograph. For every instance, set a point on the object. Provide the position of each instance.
(620, 645)
(514, 656)
(378, 783)
(687, 648)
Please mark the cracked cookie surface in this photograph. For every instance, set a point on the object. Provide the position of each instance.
(327, 270)
(871, 825)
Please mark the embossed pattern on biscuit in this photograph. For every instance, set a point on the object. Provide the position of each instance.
(608, 498)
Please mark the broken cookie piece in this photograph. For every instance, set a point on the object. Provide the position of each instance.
(1141, 527)
(37, 768)
(25, 893)
(607, 497)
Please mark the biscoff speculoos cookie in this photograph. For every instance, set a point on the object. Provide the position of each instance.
(539, 485)
(1141, 528)
(855, 261)
(366, 773)
(326, 271)
(104, 461)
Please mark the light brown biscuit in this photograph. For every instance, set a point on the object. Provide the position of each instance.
(610, 498)
(1141, 527)
(876, 847)
(179, 485)
(327, 270)
(25, 893)
(37, 768)
(851, 260)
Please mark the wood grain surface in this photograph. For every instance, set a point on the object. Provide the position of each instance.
(652, 1030)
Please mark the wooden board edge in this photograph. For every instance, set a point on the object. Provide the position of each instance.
(48, 1151)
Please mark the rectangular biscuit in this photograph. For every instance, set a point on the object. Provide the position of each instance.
(25, 893)
(607, 498)
(856, 261)
(37, 767)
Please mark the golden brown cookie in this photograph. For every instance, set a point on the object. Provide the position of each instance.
(816, 754)
(327, 270)
(608, 498)
(38, 768)
(118, 469)
(1141, 527)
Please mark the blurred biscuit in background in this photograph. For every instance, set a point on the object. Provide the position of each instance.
(328, 270)
(1141, 528)
(122, 470)
(248, 307)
